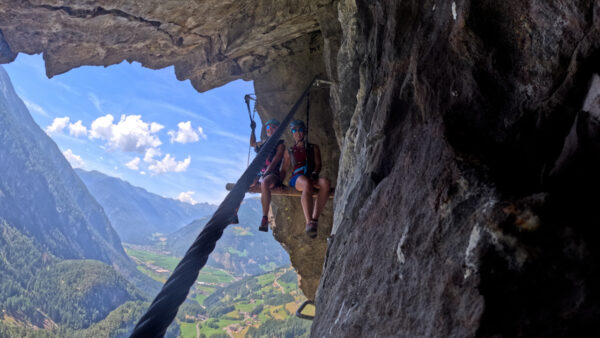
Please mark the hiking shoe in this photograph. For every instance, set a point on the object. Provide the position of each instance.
(264, 224)
(311, 228)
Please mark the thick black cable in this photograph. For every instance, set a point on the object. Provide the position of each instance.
(247, 99)
(164, 307)
(307, 116)
(299, 313)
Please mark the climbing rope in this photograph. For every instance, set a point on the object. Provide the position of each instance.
(299, 313)
(164, 307)
(307, 115)
(247, 99)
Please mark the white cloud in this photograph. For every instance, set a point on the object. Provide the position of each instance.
(74, 160)
(180, 110)
(241, 160)
(240, 138)
(201, 133)
(186, 134)
(64, 86)
(151, 153)
(213, 179)
(130, 134)
(154, 127)
(57, 125)
(187, 197)
(168, 164)
(102, 127)
(34, 107)
(95, 101)
(133, 164)
(77, 129)
(142, 173)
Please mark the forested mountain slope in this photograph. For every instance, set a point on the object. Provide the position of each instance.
(135, 213)
(242, 250)
(40, 290)
(48, 216)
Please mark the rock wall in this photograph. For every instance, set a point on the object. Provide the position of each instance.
(452, 215)
(276, 94)
(209, 42)
(278, 44)
(446, 221)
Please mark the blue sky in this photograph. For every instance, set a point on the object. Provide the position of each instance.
(141, 125)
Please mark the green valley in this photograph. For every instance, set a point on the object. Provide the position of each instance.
(256, 306)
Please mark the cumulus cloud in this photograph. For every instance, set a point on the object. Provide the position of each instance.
(151, 153)
(74, 160)
(187, 197)
(130, 134)
(168, 164)
(185, 133)
(133, 164)
(154, 127)
(102, 127)
(57, 125)
(77, 129)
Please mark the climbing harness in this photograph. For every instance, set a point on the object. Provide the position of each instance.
(284, 190)
(164, 307)
(299, 313)
(247, 99)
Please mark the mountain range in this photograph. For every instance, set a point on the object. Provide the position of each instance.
(242, 250)
(136, 214)
(144, 218)
(61, 262)
(62, 265)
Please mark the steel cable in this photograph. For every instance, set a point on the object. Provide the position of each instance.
(164, 307)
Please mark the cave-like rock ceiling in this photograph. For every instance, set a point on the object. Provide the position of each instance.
(455, 132)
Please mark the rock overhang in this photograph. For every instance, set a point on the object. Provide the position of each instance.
(209, 42)
(278, 46)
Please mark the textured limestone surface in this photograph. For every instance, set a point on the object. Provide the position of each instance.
(209, 42)
(276, 94)
(460, 209)
(446, 220)
(278, 44)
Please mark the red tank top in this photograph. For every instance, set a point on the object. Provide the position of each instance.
(299, 154)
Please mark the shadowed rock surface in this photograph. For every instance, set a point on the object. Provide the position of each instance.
(452, 215)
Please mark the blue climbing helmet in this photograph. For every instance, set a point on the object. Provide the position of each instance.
(297, 124)
(273, 121)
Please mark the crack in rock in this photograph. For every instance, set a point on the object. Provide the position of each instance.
(99, 11)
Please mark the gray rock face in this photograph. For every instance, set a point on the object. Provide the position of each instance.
(445, 223)
(276, 95)
(441, 133)
(209, 42)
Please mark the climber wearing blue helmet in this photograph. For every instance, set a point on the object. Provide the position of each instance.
(306, 162)
(271, 174)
